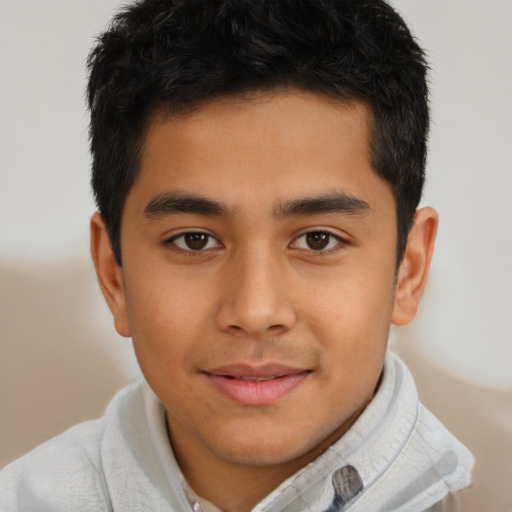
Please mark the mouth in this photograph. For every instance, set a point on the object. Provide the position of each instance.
(254, 379)
(250, 386)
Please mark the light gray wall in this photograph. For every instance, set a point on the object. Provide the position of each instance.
(466, 320)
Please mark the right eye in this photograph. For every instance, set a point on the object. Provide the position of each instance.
(195, 241)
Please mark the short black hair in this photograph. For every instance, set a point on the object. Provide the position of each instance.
(181, 53)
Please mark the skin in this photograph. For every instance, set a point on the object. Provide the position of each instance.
(260, 290)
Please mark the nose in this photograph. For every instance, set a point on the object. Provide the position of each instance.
(255, 301)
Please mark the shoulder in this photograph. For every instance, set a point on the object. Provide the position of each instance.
(64, 467)
(66, 472)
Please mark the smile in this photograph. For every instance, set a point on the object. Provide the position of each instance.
(256, 387)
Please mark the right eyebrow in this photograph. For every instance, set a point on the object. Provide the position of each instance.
(172, 203)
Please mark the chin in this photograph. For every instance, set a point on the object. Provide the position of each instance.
(267, 447)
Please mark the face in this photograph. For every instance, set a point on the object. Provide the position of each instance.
(258, 277)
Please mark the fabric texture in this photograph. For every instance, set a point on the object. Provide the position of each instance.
(396, 457)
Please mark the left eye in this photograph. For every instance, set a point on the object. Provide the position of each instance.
(195, 241)
(317, 241)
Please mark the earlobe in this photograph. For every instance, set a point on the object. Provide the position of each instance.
(414, 268)
(109, 274)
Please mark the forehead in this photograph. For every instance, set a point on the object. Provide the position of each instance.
(269, 147)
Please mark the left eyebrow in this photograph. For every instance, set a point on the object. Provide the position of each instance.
(335, 203)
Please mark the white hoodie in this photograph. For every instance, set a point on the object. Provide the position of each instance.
(396, 457)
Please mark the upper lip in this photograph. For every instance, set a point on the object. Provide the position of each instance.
(246, 370)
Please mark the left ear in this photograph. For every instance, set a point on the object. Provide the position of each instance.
(413, 270)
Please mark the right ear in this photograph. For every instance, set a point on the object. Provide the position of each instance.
(109, 274)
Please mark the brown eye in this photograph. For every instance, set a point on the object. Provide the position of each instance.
(195, 241)
(318, 240)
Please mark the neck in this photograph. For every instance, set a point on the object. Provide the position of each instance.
(236, 487)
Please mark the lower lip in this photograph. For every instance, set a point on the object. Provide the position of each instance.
(257, 392)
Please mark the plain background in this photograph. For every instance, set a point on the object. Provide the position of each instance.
(56, 338)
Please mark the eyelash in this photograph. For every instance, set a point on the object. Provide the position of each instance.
(339, 243)
(171, 242)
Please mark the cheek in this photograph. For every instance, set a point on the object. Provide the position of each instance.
(158, 298)
(167, 318)
(351, 318)
(166, 333)
(351, 303)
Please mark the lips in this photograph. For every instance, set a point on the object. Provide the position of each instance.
(256, 386)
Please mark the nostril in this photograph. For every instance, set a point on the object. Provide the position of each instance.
(276, 329)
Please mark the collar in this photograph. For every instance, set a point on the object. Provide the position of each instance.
(396, 456)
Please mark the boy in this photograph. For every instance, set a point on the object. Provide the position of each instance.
(257, 167)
